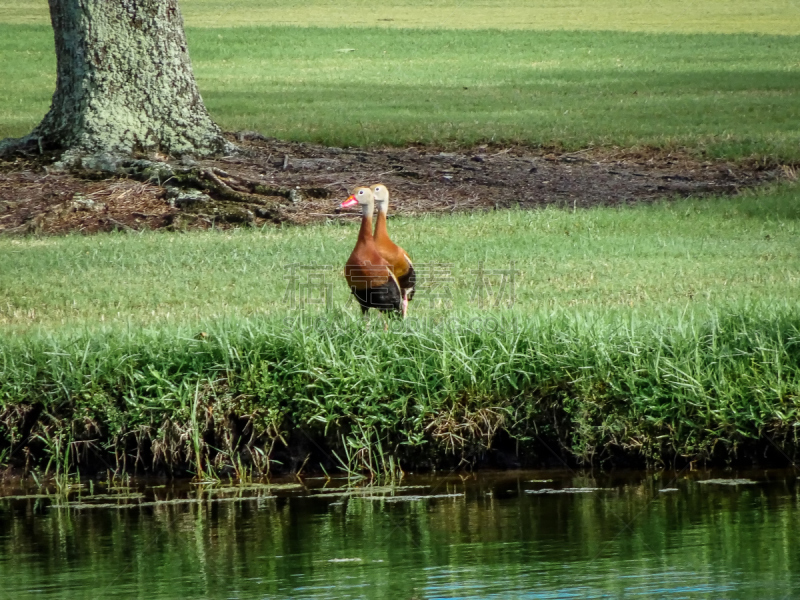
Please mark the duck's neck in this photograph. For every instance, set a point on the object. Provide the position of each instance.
(365, 233)
(380, 224)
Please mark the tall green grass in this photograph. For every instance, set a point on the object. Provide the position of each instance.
(663, 332)
(730, 96)
(262, 392)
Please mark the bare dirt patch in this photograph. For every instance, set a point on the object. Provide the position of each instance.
(422, 180)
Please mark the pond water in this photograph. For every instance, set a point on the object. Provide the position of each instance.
(491, 535)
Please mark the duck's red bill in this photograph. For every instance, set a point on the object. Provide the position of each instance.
(351, 201)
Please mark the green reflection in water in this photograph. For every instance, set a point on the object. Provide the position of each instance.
(499, 536)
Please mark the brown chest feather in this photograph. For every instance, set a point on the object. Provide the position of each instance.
(366, 269)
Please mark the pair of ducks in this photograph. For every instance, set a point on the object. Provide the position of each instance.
(379, 272)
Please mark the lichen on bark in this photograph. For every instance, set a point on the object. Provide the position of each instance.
(124, 83)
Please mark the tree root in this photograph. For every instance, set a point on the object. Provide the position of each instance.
(199, 190)
(203, 190)
(198, 186)
(29, 146)
(216, 182)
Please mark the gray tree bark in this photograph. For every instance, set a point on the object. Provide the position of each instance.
(125, 83)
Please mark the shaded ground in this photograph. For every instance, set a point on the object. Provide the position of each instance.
(422, 180)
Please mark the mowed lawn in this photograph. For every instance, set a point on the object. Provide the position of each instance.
(668, 259)
(718, 78)
(705, 76)
(685, 16)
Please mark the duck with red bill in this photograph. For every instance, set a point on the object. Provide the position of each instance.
(368, 275)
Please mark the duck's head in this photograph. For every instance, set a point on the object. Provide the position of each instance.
(363, 197)
(381, 194)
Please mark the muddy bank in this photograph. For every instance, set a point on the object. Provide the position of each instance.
(234, 447)
(33, 199)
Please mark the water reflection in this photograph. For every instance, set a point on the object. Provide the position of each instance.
(492, 536)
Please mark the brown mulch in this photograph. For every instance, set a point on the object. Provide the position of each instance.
(422, 180)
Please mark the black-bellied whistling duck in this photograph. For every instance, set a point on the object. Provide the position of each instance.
(369, 276)
(392, 253)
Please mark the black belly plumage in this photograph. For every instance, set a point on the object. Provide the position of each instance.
(385, 298)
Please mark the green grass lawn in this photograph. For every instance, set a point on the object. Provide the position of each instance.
(722, 78)
(673, 255)
(685, 16)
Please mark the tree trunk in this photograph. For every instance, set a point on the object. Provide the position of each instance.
(125, 83)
